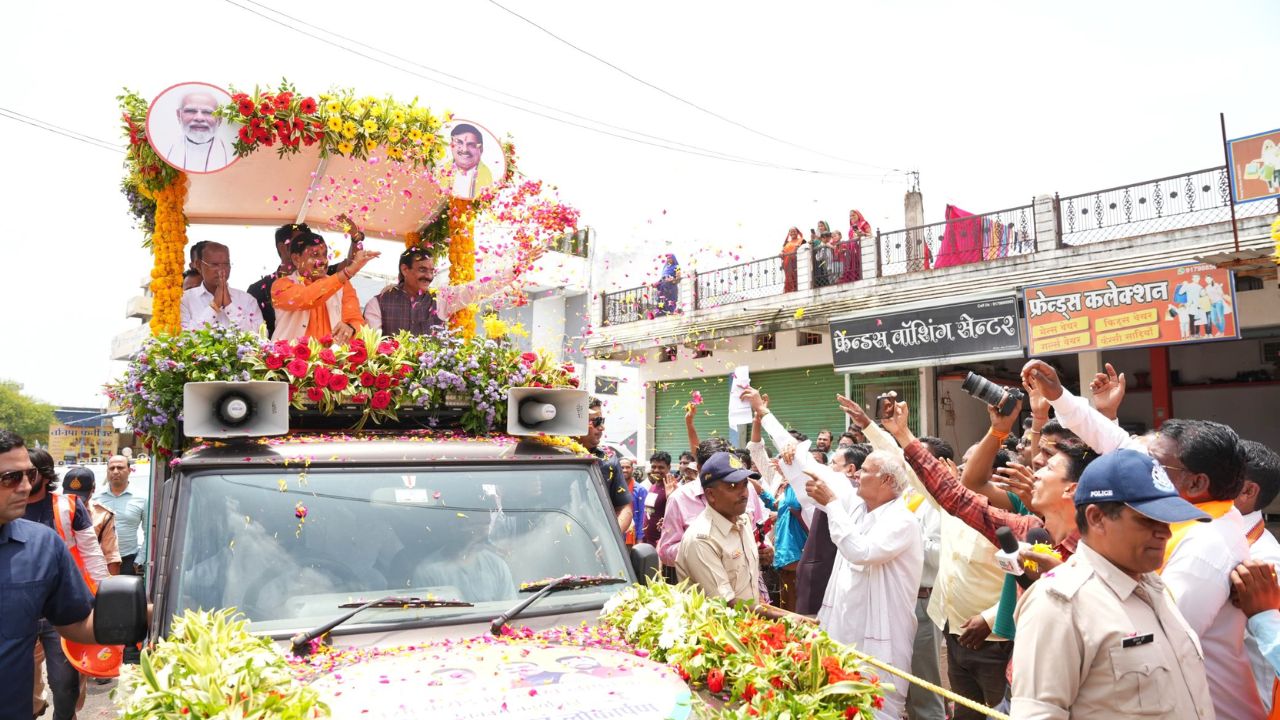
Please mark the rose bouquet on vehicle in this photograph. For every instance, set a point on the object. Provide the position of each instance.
(756, 667)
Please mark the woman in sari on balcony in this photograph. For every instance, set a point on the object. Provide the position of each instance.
(849, 252)
(669, 286)
(789, 247)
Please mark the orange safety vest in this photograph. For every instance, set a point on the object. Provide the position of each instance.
(67, 534)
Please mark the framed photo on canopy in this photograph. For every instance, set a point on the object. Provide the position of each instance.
(475, 159)
(186, 133)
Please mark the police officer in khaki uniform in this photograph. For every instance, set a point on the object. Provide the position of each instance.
(718, 550)
(1099, 637)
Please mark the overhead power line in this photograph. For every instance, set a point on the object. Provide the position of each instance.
(654, 141)
(50, 127)
(680, 99)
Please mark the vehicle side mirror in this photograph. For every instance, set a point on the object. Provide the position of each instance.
(644, 560)
(120, 611)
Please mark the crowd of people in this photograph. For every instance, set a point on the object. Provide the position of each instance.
(307, 296)
(1144, 583)
(45, 593)
(835, 261)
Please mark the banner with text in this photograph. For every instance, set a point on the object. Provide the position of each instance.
(1166, 306)
(82, 443)
(927, 336)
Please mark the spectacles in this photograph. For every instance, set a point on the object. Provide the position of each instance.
(1171, 467)
(13, 478)
(597, 422)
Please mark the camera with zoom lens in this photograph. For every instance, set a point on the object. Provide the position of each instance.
(1003, 399)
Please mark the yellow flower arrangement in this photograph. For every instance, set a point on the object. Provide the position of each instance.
(335, 123)
(1043, 549)
(345, 147)
(349, 129)
(393, 134)
(168, 247)
(370, 126)
(562, 441)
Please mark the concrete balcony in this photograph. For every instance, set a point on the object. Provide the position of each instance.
(138, 307)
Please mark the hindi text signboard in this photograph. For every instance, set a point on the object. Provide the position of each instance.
(928, 336)
(1165, 306)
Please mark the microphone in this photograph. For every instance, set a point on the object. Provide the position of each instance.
(1039, 535)
(1008, 559)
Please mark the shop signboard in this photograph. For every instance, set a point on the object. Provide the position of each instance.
(1255, 167)
(979, 329)
(82, 443)
(1163, 306)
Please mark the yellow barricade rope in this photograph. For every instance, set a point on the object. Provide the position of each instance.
(977, 707)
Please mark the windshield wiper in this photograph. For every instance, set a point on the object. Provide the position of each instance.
(302, 641)
(544, 587)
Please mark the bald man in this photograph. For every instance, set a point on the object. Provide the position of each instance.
(214, 301)
(200, 150)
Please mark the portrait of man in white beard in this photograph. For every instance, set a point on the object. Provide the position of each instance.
(199, 146)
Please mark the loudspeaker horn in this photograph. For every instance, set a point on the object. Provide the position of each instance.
(235, 409)
(546, 411)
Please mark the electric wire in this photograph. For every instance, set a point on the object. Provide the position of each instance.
(50, 127)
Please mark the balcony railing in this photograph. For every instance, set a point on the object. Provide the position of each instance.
(745, 281)
(837, 264)
(641, 303)
(1168, 203)
(977, 238)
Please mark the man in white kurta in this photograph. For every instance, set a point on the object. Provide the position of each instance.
(871, 597)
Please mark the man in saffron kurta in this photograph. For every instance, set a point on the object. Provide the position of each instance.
(311, 303)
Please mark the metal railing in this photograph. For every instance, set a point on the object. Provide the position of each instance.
(744, 281)
(641, 303)
(837, 264)
(1181, 201)
(977, 238)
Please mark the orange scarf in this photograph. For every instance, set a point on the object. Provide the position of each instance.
(1215, 509)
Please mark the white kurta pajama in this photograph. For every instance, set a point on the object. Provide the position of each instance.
(871, 596)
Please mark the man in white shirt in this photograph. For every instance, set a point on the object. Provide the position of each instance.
(870, 599)
(1261, 485)
(214, 301)
(200, 150)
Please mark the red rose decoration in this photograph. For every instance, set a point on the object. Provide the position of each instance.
(322, 375)
(360, 398)
(327, 356)
(326, 340)
(568, 367)
(386, 347)
(292, 391)
(307, 106)
(302, 351)
(315, 394)
(381, 400)
(338, 382)
(382, 382)
(715, 680)
(529, 358)
(358, 355)
(404, 370)
(748, 692)
(273, 361)
(367, 379)
(297, 368)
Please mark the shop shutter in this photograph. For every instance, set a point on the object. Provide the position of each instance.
(803, 399)
(864, 387)
(671, 397)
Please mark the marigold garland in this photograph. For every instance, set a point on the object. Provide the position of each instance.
(168, 247)
(462, 258)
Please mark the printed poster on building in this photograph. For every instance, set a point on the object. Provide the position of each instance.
(1165, 306)
(82, 443)
(1255, 166)
(982, 329)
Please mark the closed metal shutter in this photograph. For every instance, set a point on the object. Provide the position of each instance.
(802, 398)
(864, 387)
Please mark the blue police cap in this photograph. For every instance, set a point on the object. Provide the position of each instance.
(725, 467)
(1137, 480)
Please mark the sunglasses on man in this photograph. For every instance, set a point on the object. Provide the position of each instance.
(13, 478)
(597, 422)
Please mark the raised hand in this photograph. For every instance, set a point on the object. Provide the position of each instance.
(1040, 377)
(1108, 391)
(1017, 479)
(359, 259)
(855, 412)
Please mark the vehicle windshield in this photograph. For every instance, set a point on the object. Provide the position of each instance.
(287, 547)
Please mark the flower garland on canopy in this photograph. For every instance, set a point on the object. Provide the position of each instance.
(168, 246)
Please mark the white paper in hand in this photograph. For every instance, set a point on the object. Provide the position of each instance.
(739, 411)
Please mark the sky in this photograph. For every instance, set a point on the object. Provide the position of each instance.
(992, 103)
